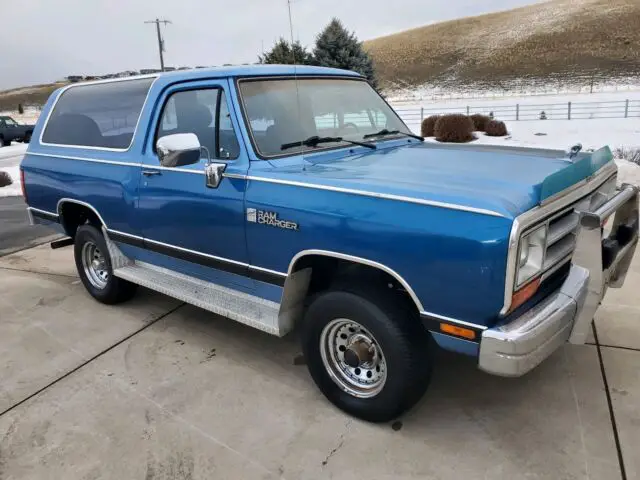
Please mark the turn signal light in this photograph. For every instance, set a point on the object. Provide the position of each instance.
(458, 331)
(524, 294)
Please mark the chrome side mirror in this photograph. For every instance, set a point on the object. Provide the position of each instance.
(178, 150)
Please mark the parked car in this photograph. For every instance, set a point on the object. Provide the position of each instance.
(10, 131)
(295, 198)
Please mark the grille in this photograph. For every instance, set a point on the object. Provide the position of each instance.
(563, 226)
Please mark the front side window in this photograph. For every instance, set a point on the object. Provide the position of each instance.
(101, 115)
(197, 112)
(282, 111)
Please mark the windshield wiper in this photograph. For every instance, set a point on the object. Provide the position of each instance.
(316, 140)
(385, 132)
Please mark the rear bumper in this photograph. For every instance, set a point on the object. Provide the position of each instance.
(517, 347)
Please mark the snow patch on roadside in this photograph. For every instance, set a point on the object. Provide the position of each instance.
(13, 150)
(628, 172)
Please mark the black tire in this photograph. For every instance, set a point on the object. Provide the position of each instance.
(116, 290)
(4, 143)
(405, 344)
(27, 138)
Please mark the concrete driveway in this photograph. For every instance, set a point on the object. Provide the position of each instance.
(155, 389)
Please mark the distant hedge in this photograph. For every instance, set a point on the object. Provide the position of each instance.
(5, 179)
(480, 121)
(496, 128)
(456, 128)
(428, 126)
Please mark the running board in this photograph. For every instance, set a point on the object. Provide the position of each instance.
(239, 306)
(242, 307)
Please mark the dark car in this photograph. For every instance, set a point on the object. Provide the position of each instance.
(11, 130)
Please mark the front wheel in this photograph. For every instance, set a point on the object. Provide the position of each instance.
(94, 268)
(367, 352)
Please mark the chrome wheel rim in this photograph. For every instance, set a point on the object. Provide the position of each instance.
(95, 265)
(353, 358)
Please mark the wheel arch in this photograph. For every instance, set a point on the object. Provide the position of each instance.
(299, 278)
(77, 213)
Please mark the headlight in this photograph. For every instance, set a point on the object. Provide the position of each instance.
(531, 255)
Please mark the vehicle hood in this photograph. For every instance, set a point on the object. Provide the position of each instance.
(504, 180)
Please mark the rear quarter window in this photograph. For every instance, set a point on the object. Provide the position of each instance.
(102, 115)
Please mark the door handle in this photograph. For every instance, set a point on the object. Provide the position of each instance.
(151, 173)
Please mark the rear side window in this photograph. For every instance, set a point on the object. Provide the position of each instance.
(102, 115)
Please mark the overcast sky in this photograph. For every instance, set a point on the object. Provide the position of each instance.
(50, 39)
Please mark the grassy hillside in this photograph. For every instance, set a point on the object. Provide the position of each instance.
(34, 95)
(559, 39)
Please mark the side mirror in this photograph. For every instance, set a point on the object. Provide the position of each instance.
(178, 150)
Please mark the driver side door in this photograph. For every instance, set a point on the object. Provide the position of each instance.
(188, 226)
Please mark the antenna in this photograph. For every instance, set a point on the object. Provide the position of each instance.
(295, 73)
(161, 49)
(293, 52)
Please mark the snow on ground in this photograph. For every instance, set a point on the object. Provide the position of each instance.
(628, 172)
(592, 134)
(500, 100)
(17, 149)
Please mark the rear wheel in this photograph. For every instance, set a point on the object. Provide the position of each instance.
(27, 138)
(367, 352)
(3, 142)
(94, 268)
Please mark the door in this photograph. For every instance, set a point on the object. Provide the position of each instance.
(186, 225)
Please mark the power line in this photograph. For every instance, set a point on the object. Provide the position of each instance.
(157, 21)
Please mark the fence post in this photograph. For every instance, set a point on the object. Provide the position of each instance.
(626, 109)
(467, 110)
(517, 111)
(569, 112)
(421, 114)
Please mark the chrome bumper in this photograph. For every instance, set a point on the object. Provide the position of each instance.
(517, 347)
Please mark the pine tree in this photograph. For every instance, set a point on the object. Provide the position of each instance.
(338, 48)
(282, 53)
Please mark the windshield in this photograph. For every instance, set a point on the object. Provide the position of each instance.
(10, 121)
(329, 107)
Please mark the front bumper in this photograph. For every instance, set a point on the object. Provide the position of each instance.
(515, 348)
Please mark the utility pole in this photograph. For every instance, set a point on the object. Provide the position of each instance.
(157, 21)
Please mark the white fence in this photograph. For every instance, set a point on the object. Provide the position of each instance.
(541, 111)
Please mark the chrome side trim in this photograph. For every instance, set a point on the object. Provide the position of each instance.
(173, 169)
(129, 164)
(366, 193)
(44, 212)
(364, 261)
(266, 270)
(97, 82)
(84, 159)
(238, 176)
(531, 217)
(194, 252)
(124, 234)
(84, 204)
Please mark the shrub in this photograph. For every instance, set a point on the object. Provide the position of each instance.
(630, 154)
(496, 128)
(5, 179)
(456, 128)
(480, 121)
(428, 125)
